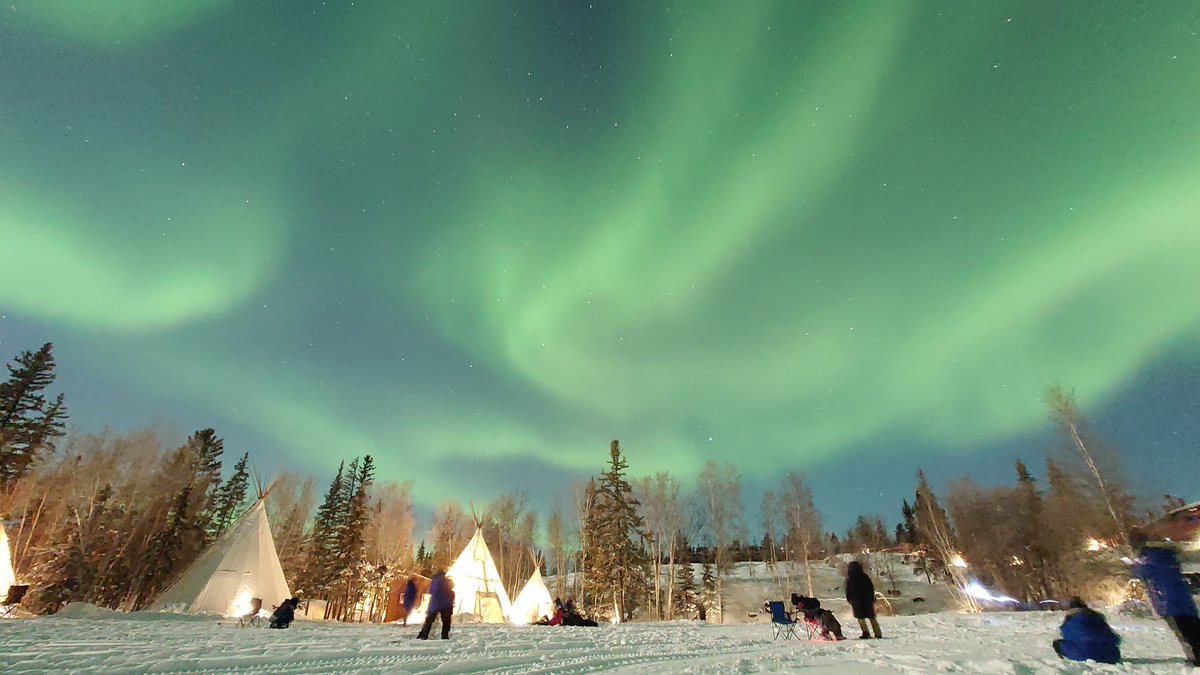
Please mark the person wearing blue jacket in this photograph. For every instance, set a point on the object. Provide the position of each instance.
(1169, 594)
(441, 604)
(1086, 636)
(409, 598)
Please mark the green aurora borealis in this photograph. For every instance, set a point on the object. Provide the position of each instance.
(777, 234)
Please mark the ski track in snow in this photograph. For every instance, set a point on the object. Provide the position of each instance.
(1017, 643)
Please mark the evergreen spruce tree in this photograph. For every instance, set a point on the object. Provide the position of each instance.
(685, 584)
(617, 573)
(196, 468)
(204, 449)
(1028, 516)
(909, 526)
(229, 500)
(589, 546)
(422, 560)
(323, 542)
(708, 586)
(167, 556)
(352, 569)
(29, 422)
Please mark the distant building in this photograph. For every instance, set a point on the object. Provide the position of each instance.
(1181, 525)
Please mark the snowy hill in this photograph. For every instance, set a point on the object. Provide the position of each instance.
(751, 584)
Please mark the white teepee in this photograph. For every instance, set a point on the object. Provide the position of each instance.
(534, 601)
(477, 587)
(240, 565)
(7, 578)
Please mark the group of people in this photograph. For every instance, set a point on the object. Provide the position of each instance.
(441, 607)
(1086, 634)
(441, 604)
(565, 615)
(860, 593)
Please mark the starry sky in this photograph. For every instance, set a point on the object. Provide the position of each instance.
(480, 240)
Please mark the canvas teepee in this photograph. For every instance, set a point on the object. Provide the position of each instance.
(240, 565)
(534, 601)
(7, 578)
(477, 587)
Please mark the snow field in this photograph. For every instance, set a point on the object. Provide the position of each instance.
(945, 642)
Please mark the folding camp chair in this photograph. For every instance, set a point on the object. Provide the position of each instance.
(812, 628)
(781, 621)
(16, 593)
(251, 617)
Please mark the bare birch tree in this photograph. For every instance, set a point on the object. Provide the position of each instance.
(719, 506)
(1067, 415)
(804, 522)
(663, 514)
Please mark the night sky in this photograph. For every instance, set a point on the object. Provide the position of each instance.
(480, 240)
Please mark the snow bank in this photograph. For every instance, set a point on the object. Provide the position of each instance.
(83, 610)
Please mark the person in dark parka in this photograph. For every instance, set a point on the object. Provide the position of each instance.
(574, 618)
(860, 593)
(441, 604)
(284, 614)
(1086, 636)
(1169, 594)
(408, 599)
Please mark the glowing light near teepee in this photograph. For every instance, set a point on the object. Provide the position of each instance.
(240, 565)
(241, 605)
(534, 601)
(477, 586)
(958, 561)
(7, 578)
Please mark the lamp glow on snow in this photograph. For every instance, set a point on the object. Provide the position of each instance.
(976, 590)
(241, 605)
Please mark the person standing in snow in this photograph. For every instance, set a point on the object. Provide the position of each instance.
(441, 604)
(408, 599)
(1086, 636)
(1169, 594)
(860, 593)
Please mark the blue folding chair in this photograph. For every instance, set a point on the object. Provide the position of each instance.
(781, 621)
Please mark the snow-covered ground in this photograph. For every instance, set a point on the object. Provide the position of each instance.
(929, 636)
(940, 642)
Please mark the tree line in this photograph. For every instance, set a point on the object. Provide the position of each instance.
(113, 519)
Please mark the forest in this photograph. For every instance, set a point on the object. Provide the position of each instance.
(111, 519)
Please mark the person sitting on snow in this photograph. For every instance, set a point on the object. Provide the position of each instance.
(554, 619)
(284, 614)
(572, 618)
(1086, 636)
(831, 628)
